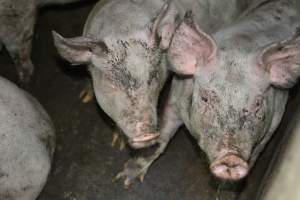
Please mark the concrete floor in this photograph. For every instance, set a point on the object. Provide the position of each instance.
(85, 163)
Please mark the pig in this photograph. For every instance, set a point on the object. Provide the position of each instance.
(27, 144)
(232, 87)
(124, 44)
(17, 19)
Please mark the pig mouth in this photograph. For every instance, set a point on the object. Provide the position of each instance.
(143, 141)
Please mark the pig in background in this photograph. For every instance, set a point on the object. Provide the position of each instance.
(27, 142)
(124, 43)
(17, 19)
(235, 88)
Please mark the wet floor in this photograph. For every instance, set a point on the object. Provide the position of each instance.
(85, 163)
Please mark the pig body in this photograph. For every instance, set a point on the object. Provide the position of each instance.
(17, 19)
(124, 43)
(237, 91)
(27, 144)
(234, 103)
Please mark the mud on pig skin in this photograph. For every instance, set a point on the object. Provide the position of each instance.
(126, 55)
(27, 142)
(237, 89)
(124, 44)
(17, 19)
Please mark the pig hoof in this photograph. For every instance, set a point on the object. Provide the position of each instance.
(25, 73)
(86, 95)
(133, 169)
(118, 139)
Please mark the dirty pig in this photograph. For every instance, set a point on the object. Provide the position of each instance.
(234, 89)
(124, 44)
(27, 142)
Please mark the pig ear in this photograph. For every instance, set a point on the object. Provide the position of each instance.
(164, 25)
(282, 61)
(78, 50)
(190, 48)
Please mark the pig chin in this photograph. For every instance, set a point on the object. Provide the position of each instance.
(144, 140)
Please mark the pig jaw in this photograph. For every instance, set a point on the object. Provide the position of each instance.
(139, 128)
(143, 134)
(138, 120)
(137, 123)
(144, 140)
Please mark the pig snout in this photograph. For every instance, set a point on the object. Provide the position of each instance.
(145, 135)
(229, 167)
(144, 140)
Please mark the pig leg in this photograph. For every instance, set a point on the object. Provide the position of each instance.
(87, 93)
(138, 167)
(118, 139)
(18, 42)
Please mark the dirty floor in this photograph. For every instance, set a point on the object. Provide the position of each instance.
(85, 163)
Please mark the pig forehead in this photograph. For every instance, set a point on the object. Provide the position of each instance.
(134, 56)
(232, 80)
(231, 93)
(231, 68)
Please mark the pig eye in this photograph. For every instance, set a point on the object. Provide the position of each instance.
(258, 102)
(259, 113)
(204, 99)
(204, 96)
(245, 110)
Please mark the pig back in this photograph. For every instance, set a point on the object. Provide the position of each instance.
(111, 17)
(27, 143)
(119, 18)
(214, 14)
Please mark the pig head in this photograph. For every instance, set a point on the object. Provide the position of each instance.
(239, 93)
(128, 73)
